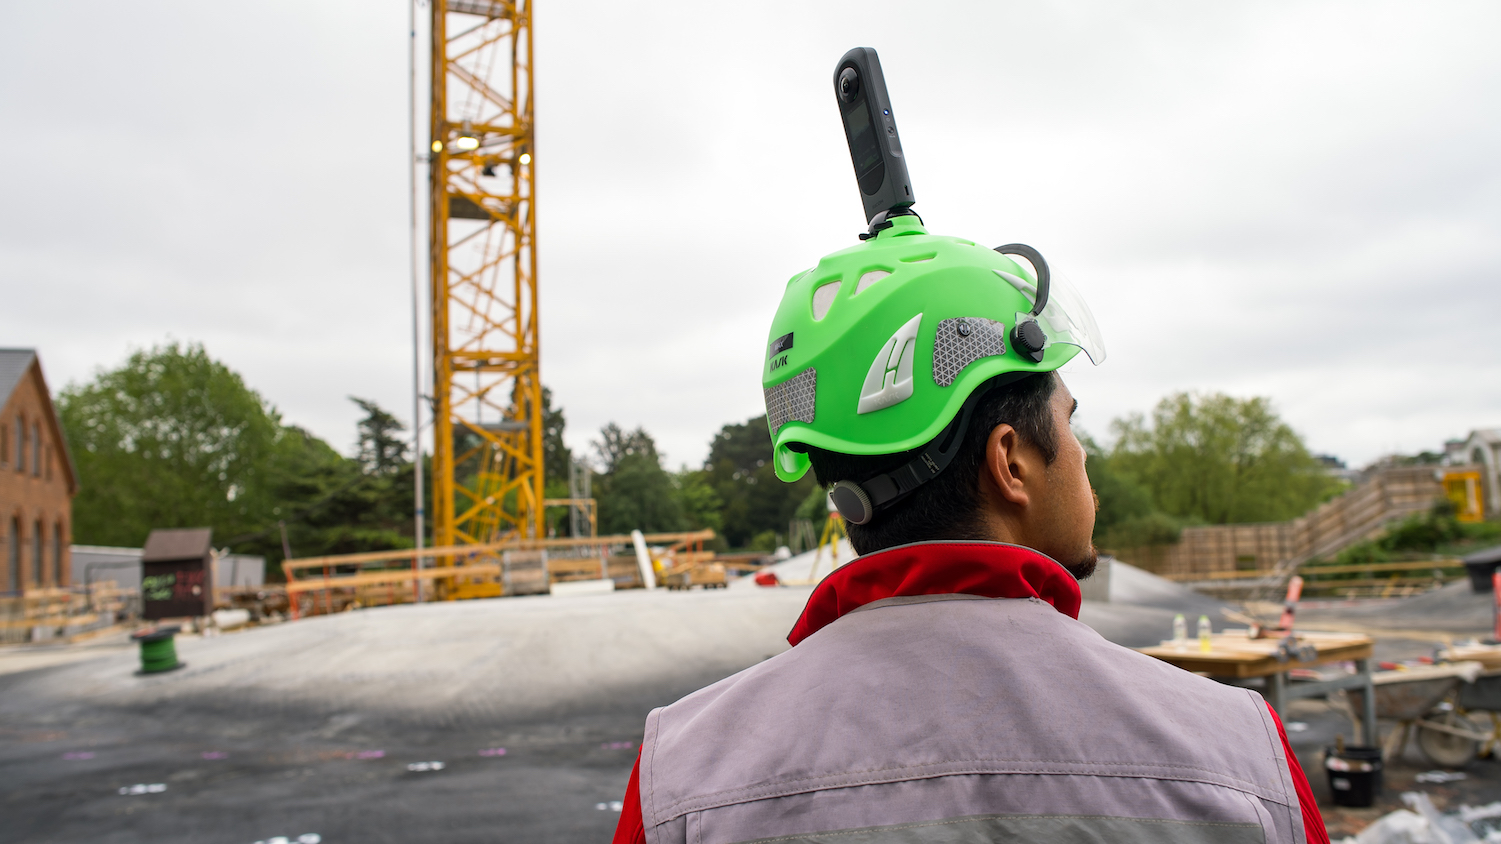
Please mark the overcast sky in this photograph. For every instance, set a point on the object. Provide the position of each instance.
(1294, 200)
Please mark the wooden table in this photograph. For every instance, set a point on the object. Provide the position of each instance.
(1232, 657)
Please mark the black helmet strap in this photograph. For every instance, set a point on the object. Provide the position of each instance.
(859, 502)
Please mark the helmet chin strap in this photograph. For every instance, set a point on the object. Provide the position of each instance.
(859, 502)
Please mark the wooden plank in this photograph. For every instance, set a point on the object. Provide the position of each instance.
(346, 581)
(49, 621)
(1314, 571)
(1310, 573)
(510, 545)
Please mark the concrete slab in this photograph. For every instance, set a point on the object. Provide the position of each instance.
(534, 705)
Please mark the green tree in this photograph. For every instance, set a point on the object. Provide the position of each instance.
(556, 460)
(1119, 497)
(382, 450)
(699, 503)
(1125, 517)
(555, 453)
(330, 504)
(172, 438)
(739, 469)
(633, 490)
(1216, 459)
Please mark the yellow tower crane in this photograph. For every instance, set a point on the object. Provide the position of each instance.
(487, 393)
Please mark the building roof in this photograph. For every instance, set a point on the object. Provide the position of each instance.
(1486, 557)
(13, 366)
(177, 544)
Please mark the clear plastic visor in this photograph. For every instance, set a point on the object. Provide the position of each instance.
(1066, 319)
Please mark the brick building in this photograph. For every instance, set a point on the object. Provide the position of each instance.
(37, 480)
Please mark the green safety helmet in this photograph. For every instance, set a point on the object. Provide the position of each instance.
(884, 348)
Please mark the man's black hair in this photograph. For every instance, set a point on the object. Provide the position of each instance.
(947, 507)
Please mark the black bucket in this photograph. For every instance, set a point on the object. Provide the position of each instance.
(1354, 775)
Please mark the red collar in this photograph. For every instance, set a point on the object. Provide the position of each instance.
(989, 569)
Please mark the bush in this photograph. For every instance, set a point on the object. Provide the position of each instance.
(1143, 531)
(1434, 532)
(766, 540)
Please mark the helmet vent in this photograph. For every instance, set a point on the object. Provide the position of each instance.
(823, 298)
(962, 341)
(918, 259)
(791, 400)
(868, 279)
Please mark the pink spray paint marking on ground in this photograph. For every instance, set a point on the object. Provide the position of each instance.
(493, 751)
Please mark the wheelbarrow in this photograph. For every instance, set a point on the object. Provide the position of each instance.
(1481, 696)
(1423, 700)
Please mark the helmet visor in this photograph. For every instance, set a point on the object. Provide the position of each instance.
(1066, 319)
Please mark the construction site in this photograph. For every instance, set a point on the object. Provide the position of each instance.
(491, 680)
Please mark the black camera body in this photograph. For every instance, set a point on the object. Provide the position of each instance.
(870, 128)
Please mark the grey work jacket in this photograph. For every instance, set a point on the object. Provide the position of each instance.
(954, 718)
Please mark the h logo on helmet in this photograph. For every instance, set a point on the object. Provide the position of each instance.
(889, 380)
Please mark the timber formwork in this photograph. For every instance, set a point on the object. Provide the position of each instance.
(1361, 513)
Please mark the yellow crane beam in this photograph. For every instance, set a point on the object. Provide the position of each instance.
(487, 396)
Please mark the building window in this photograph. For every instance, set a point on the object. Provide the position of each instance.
(4, 445)
(36, 450)
(57, 554)
(38, 556)
(14, 569)
(20, 444)
(48, 461)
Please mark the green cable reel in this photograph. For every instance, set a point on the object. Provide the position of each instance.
(158, 652)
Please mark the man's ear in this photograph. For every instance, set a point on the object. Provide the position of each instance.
(1005, 465)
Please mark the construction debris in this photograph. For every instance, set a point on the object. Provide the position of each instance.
(1427, 825)
(1441, 776)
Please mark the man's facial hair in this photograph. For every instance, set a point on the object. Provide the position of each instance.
(1085, 565)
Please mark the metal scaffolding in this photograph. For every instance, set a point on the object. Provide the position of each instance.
(487, 394)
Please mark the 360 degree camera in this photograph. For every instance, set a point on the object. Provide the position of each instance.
(870, 128)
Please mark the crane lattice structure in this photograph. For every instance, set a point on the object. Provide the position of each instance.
(487, 394)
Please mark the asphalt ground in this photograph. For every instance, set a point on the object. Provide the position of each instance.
(329, 727)
(534, 707)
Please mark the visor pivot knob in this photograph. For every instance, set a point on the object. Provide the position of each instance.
(1029, 340)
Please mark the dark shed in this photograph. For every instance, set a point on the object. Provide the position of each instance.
(1480, 565)
(177, 573)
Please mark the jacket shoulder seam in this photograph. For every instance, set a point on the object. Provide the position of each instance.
(877, 776)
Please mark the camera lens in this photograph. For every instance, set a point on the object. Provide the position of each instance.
(849, 84)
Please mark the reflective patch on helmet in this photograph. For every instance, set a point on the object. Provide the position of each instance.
(962, 341)
(791, 400)
(889, 380)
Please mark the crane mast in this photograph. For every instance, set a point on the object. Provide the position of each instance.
(487, 393)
